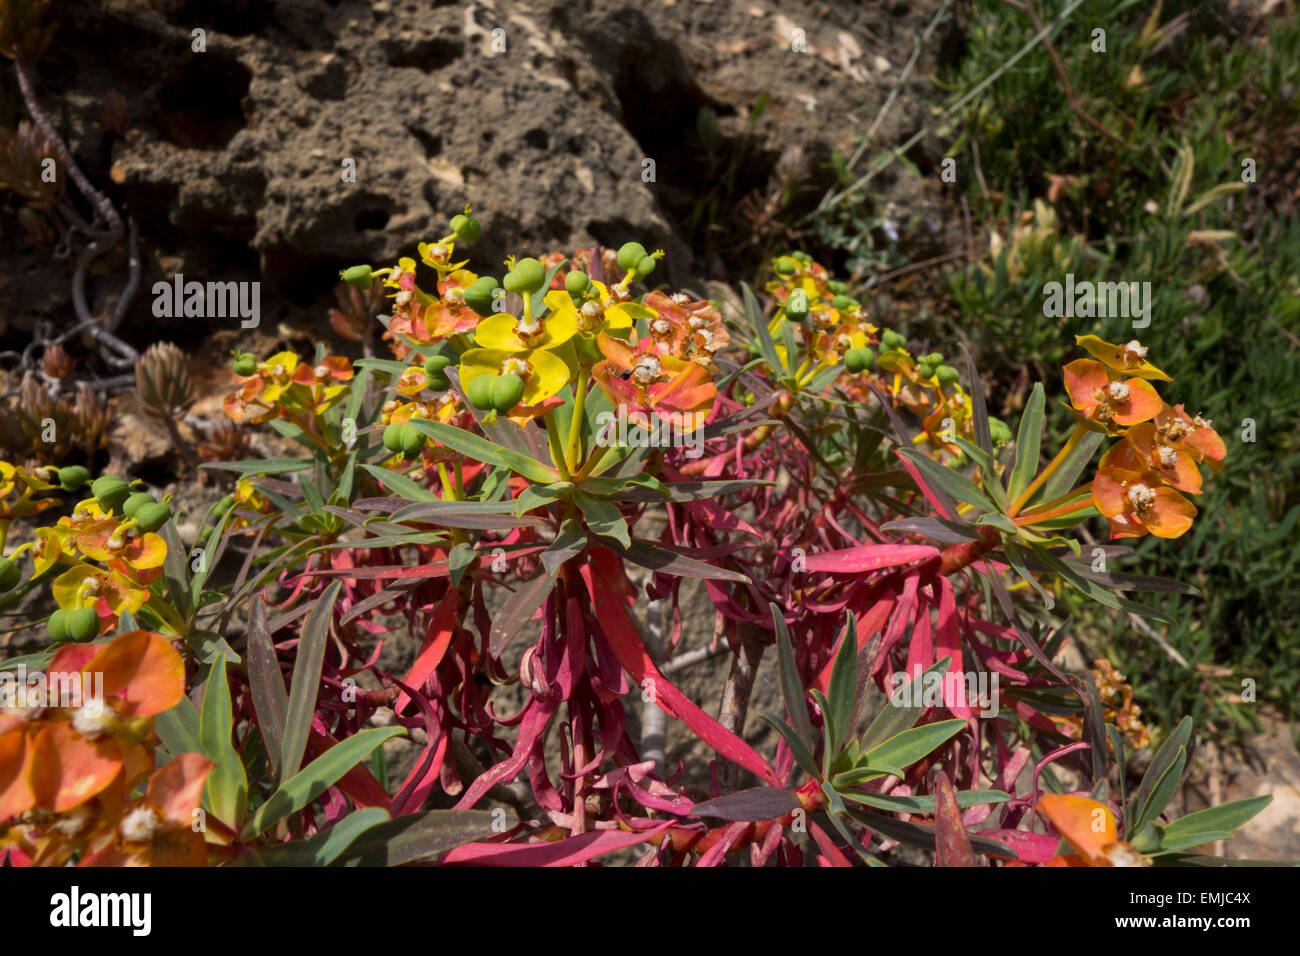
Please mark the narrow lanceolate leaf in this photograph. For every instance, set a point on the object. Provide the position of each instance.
(518, 611)
(979, 411)
(1205, 823)
(568, 543)
(1136, 815)
(306, 680)
(951, 841)
(325, 847)
(760, 803)
(567, 852)
(647, 554)
(905, 707)
(400, 484)
(1066, 476)
(791, 685)
(270, 701)
(843, 688)
(317, 777)
(952, 482)
(227, 784)
(868, 557)
(603, 518)
(417, 837)
(1027, 443)
(906, 748)
(625, 640)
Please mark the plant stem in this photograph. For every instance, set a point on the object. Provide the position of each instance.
(1075, 437)
(557, 451)
(597, 454)
(572, 450)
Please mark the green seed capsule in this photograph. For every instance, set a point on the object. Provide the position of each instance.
(57, 625)
(412, 440)
(796, 306)
(629, 254)
(10, 575)
(853, 361)
(153, 516)
(935, 358)
(802, 257)
(225, 504)
(843, 303)
(576, 283)
(110, 491)
(837, 287)
(999, 431)
(246, 364)
(434, 376)
(466, 228)
(525, 278)
(892, 340)
(479, 391)
(73, 477)
(359, 276)
(506, 392)
(82, 624)
(135, 502)
(784, 267)
(947, 375)
(478, 295)
(925, 369)
(646, 265)
(867, 357)
(393, 437)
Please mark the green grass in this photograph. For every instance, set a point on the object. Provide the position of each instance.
(1183, 110)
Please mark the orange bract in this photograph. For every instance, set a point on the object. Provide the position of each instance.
(1106, 401)
(1090, 828)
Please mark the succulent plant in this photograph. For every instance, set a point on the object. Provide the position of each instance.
(163, 380)
(23, 153)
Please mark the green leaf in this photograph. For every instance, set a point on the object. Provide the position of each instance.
(1225, 817)
(1137, 816)
(791, 686)
(418, 837)
(1068, 473)
(603, 518)
(802, 754)
(400, 484)
(459, 558)
(1027, 443)
(897, 717)
(955, 484)
(261, 466)
(178, 728)
(766, 347)
(906, 748)
(843, 688)
(922, 803)
(317, 777)
(270, 700)
(227, 785)
(989, 483)
(569, 542)
(480, 449)
(306, 680)
(326, 846)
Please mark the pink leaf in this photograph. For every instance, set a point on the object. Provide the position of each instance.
(868, 557)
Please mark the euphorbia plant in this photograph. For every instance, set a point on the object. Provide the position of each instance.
(840, 497)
